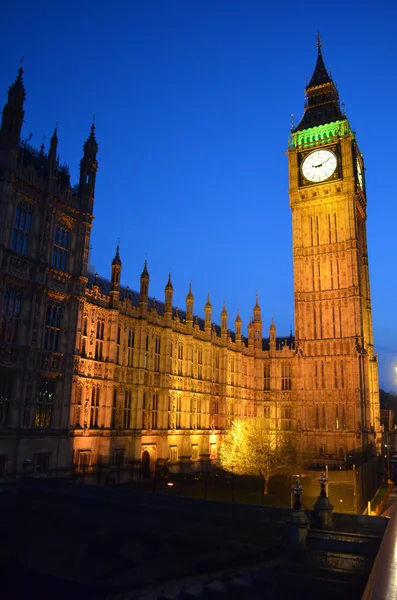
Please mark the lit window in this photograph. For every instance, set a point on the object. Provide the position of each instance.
(60, 248)
(45, 403)
(20, 234)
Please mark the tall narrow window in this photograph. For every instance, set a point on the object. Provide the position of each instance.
(10, 313)
(232, 371)
(145, 416)
(155, 411)
(329, 230)
(266, 377)
(215, 413)
(44, 403)
(60, 248)
(5, 397)
(342, 374)
(286, 376)
(127, 410)
(199, 363)
(322, 375)
(217, 367)
(157, 354)
(178, 404)
(20, 233)
(131, 346)
(335, 375)
(180, 359)
(314, 322)
(317, 418)
(79, 402)
(85, 322)
(100, 335)
(94, 414)
(199, 414)
(52, 325)
(316, 373)
(335, 228)
(114, 409)
(145, 364)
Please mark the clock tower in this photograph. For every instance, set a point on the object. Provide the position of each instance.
(337, 391)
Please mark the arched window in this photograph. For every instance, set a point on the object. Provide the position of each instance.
(61, 246)
(20, 234)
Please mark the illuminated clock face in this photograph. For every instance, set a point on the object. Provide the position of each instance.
(359, 173)
(319, 165)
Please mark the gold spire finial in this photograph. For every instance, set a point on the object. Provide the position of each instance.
(319, 40)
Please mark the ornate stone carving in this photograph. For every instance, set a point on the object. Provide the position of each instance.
(51, 362)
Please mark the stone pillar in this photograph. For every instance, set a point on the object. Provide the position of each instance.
(298, 526)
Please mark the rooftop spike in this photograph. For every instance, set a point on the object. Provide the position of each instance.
(145, 271)
(169, 285)
(117, 259)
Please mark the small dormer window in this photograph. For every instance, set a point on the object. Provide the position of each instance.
(61, 246)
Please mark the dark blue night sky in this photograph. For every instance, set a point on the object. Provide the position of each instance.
(192, 103)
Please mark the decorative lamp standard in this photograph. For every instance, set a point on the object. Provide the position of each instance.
(323, 480)
(323, 507)
(297, 490)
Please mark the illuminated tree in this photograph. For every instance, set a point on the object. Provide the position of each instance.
(249, 447)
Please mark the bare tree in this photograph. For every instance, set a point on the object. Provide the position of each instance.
(249, 447)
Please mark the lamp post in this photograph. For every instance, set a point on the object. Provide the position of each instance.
(297, 490)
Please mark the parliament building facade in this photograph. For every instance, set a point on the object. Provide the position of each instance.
(92, 371)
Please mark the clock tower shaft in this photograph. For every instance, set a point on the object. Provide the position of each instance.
(338, 396)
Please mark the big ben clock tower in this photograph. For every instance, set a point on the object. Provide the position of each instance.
(338, 397)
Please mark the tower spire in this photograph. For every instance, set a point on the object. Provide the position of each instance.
(12, 120)
(52, 152)
(116, 273)
(322, 97)
(88, 169)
